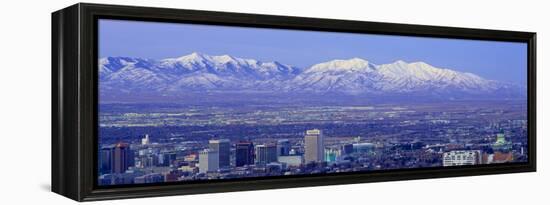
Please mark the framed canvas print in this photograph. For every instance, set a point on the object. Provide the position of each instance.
(154, 101)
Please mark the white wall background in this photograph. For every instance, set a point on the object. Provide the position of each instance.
(25, 102)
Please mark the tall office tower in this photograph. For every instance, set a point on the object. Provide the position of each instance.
(347, 148)
(208, 161)
(283, 147)
(271, 153)
(332, 154)
(122, 158)
(266, 153)
(145, 140)
(244, 154)
(105, 159)
(223, 147)
(314, 146)
(166, 158)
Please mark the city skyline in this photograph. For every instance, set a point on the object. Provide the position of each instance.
(269, 157)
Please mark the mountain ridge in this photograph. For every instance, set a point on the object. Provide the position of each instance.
(197, 72)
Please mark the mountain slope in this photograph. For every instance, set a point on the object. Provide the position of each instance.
(199, 73)
(191, 72)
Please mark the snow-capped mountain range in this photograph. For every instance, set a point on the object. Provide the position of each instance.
(199, 73)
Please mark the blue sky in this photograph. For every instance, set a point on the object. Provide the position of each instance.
(504, 61)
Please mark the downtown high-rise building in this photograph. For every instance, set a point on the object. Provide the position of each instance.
(314, 146)
(166, 158)
(283, 147)
(266, 153)
(244, 154)
(208, 161)
(145, 140)
(346, 149)
(106, 159)
(223, 148)
(332, 154)
(122, 158)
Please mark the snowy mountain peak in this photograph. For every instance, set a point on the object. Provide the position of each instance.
(200, 58)
(424, 65)
(196, 55)
(110, 65)
(224, 58)
(349, 65)
(193, 57)
(401, 62)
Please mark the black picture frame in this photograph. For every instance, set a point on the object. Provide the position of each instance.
(74, 99)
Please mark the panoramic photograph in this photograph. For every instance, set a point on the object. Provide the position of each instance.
(187, 102)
